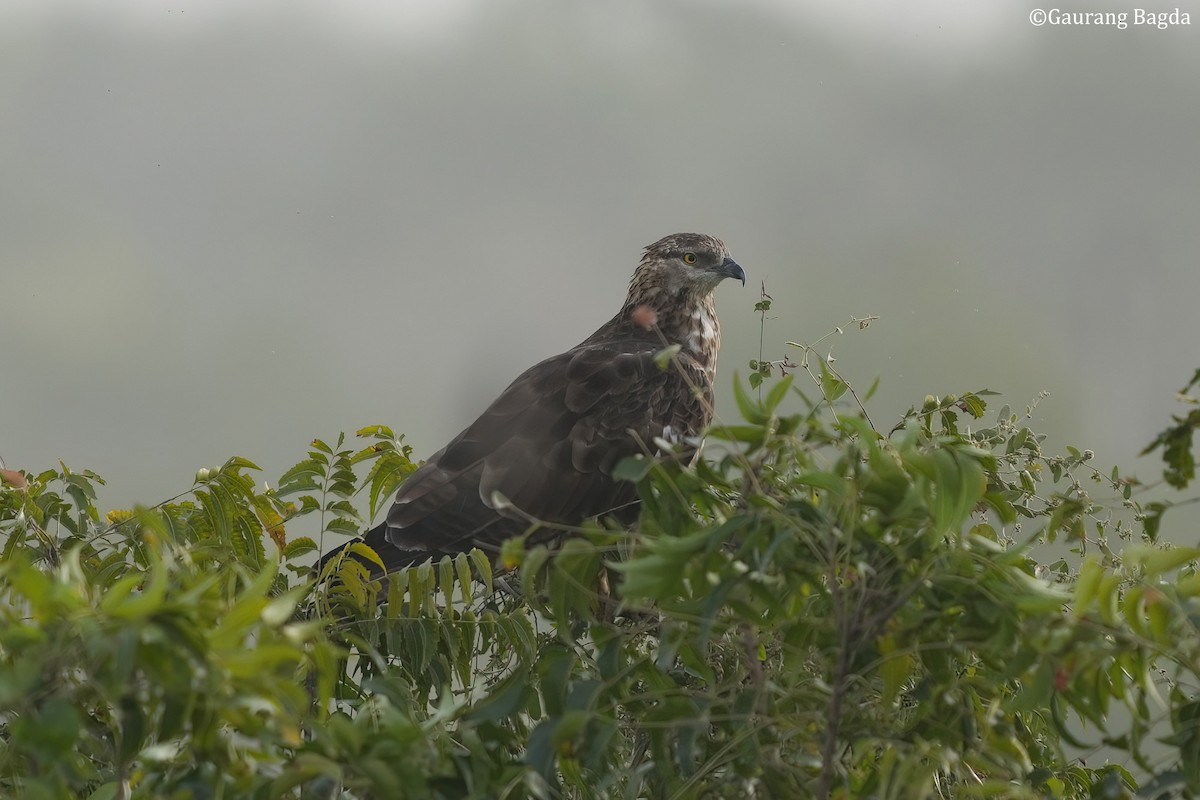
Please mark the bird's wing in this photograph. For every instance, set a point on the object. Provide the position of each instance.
(549, 444)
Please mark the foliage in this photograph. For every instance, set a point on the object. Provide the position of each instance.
(816, 608)
(157, 653)
(1177, 441)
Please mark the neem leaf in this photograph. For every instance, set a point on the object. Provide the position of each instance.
(662, 358)
(633, 468)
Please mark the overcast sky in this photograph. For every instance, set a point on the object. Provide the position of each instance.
(230, 227)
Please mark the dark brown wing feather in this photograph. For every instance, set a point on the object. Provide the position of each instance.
(549, 444)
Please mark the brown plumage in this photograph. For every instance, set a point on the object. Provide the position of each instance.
(550, 441)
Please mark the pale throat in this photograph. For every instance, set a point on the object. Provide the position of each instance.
(690, 321)
(685, 316)
(704, 335)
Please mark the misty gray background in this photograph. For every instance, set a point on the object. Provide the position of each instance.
(226, 228)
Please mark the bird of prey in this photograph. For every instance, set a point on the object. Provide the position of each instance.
(549, 443)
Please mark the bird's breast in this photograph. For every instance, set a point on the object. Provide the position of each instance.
(703, 337)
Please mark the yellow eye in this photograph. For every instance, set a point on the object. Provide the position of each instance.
(689, 258)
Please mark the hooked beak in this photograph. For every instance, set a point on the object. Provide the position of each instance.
(731, 269)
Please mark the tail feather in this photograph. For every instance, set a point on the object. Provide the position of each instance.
(393, 557)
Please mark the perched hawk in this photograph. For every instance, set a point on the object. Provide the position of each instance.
(550, 441)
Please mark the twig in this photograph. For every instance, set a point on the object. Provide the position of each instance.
(827, 362)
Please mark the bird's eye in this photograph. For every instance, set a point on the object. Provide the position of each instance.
(689, 258)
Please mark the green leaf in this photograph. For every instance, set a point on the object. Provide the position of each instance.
(116, 595)
(896, 667)
(750, 410)
(106, 791)
(633, 468)
(508, 697)
(957, 484)
(531, 570)
(462, 568)
(365, 550)
(572, 580)
(283, 608)
(302, 545)
(133, 729)
(239, 463)
(777, 393)
(483, 568)
(663, 358)
(53, 733)
(973, 404)
(446, 578)
(753, 435)
(832, 386)
(1154, 561)
(344, 526)
(1177, 444)
(1087, 584)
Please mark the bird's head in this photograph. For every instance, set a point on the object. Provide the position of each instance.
(671, 292)
(692, 263)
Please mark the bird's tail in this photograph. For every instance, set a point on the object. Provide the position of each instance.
(393, 557)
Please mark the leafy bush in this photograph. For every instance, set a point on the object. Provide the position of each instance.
(817, 608)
